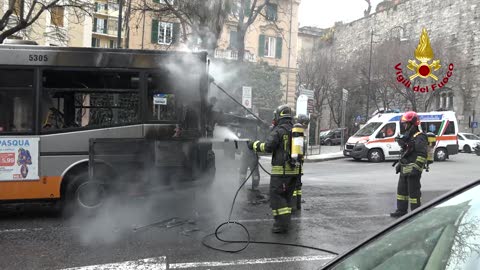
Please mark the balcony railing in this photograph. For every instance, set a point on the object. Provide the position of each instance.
(233, 55)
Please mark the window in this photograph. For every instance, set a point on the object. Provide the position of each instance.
(449, 101)
(450, 130)
(57, 14)
(445, 236)
(95, 43)
(161, 99)
(270, 47)
(112, 25)
(387, 131)
(271, 12)
(233, 40)
(77, 99)
(433, 127)
(16, 101)
(368, 129)
(100, 25)
(112, 44)
(165, 33)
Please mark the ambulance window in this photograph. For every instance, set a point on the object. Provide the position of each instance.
(387, 131)
(450, 128)
(432, 127)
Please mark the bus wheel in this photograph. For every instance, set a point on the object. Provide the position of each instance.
(441, 154)
(375, 155)
(84, 195)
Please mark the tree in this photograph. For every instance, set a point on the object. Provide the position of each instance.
(201, 20)
(263, 78)
(23, 13)
(368, 10)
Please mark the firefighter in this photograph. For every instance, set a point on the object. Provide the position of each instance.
(283, 175)
(414, 157)
(296, 203)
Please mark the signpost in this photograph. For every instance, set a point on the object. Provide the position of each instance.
(247, 96)
(344, 108)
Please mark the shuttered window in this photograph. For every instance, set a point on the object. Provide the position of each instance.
(270, 47)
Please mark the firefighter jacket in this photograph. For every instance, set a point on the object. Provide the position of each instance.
(278, 143)
(415, 157)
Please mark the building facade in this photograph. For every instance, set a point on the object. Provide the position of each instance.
(272, 38)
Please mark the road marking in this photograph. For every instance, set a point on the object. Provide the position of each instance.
(251, 261)
(158, 263)
(161, 263)
(20, 230)
(312, 218)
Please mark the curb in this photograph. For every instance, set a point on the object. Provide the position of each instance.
(322, 159)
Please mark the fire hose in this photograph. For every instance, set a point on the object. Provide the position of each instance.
(247, 242)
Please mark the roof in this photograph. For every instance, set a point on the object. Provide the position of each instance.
(424, 116)
(311, 30)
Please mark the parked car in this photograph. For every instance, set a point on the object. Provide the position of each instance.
(467, 141)
(332, 137)
(444, 234)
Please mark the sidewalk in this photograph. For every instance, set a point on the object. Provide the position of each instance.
(324, 157)
(316, 158)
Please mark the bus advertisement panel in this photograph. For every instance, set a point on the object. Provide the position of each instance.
(19, 158)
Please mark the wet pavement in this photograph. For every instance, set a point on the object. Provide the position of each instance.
(345, 202)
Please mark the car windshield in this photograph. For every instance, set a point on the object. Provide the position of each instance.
(443, 237)
(368, 130)
(471, 137)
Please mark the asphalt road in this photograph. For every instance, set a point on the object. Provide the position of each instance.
(345, 201)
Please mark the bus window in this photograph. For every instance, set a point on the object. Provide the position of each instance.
(162, 100)
(85, 99)
(16, 100)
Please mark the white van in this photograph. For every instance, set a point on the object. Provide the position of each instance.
(376, 140)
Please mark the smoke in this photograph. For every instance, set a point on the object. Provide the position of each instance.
(152, 189)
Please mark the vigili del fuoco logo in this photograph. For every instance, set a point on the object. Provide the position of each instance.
(424, 69)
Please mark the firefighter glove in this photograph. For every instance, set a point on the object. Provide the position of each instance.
(398, 168)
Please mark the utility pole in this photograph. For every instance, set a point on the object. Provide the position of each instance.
(344, 109)
(119, 30)
(369, 74)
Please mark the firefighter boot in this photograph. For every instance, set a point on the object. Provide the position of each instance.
(299, 201)
(402, 206)
(397, 214)
(281, 224)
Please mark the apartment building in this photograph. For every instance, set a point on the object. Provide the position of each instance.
(61, 26)
(272, 38)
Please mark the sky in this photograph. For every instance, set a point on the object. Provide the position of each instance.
(324, 13)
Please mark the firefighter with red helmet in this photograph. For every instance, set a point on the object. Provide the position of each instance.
(284, 174)
(411, 164)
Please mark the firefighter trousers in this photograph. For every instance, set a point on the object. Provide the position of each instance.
(408, 190)
(296, 202)
(281, 191)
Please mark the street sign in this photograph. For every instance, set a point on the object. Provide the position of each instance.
(474, 124)
(309, 93)
(302, 104)
(345, 95)
(247, 96)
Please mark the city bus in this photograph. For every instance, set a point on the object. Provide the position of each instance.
(59, 105)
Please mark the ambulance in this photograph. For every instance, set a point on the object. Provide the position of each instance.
(376, 140)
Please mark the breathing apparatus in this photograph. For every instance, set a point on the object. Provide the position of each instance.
(432, 142)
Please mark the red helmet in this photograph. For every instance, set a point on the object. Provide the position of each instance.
(410, 117)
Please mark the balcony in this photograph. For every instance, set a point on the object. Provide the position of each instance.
(233, 55)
